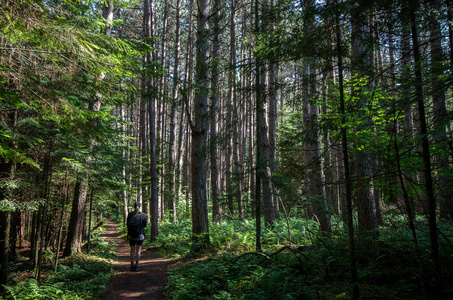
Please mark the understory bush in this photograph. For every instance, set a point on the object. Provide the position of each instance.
(174, 238)
(311, 267)
(80, 276)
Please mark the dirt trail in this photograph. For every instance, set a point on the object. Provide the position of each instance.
(148, 283)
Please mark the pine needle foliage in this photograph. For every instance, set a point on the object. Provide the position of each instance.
(50, 61)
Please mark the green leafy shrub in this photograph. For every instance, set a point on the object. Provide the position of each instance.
(81, 276)
(85, 275)
(233, 236)
(174, 238)
(232, 277)
(102, 248)
(117, 218)
(312, 267)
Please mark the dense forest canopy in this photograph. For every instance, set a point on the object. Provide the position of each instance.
(333, 111)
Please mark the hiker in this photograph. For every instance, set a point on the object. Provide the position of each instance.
(136, 223)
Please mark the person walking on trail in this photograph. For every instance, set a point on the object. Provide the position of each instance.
(136, 223)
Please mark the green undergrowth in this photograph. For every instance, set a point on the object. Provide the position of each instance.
(80, 276)
(310, 267)
(122, 229)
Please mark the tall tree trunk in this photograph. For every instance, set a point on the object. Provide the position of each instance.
(89, 221)
(362, 67)
(344, 142)
(440, 114)
(40, 248)
(213, 139)
(450, 39)
(60, 229)
(315, 174)
(251, 104)
(259, 113)
(130, 153)
(316, 178)
(154, 201)
(21, 229)
(171, 143)
(32, 234)
(162, 112)
(15, 229)
(307, 154)
(406, 92)
(244, 79)
(185, 101)
(228, 148)
(268, 205)
(425, 144)
(187, 178)
(199, 126)
(272, 117)
(142, 147)
(72, 227)
(5, 216)
(235, 119)
(161, 152)
(272, 120)
(46, 174)
(333, 162)
(392, 178)
(123, 169)
(5, 221)
(450, 31)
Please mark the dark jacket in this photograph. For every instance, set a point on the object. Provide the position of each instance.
(143, 222)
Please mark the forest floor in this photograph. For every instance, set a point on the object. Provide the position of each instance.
(147, 283)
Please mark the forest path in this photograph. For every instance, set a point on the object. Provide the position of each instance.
(148, 283)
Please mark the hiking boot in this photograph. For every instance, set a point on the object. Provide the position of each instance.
(136, 267)
(133, 267)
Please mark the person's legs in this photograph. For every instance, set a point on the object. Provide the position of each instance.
(133, 254)
(137, 252)
(138, 247)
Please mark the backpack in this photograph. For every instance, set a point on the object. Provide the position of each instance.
(134, 225)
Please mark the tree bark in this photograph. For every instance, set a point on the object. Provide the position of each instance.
(315, 174)
(5, 221)
(450, 31)
(268, 205)
(213, 139)
(272, 117)
(344, 142)
(440, 114)
(154, 201)
(123, 170)
(142, 139)
(407, 91)
(235, 144)
(199, 126)
(362, 67)
(185, 103)
(258, 113)
(171, 143)
(75, 213)
(425, 144)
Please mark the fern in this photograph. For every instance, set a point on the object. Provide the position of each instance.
(30, 289)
